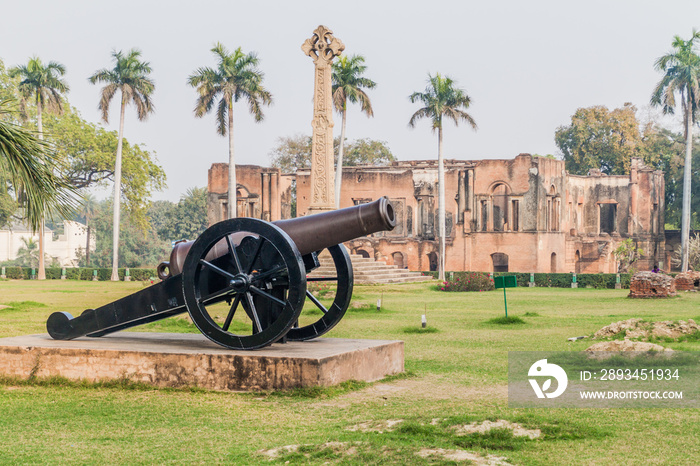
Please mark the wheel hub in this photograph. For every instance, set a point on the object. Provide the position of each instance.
(240, 283)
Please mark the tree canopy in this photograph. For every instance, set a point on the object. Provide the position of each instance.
(604, 139)
(88, 152)
(294, 152)
(185, 220)
(598, 138)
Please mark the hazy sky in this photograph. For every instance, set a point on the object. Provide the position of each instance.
(526, 65)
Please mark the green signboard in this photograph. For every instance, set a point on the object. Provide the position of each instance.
(505, 281)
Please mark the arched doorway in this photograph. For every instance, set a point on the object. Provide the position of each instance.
(433, 260)
(553, 263)
(398, 259)
(363, 253)
(500, 262)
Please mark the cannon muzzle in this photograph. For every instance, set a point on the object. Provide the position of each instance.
(310, 233)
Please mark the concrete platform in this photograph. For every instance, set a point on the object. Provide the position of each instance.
(178, 359)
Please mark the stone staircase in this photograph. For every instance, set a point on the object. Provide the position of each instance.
(370, 272)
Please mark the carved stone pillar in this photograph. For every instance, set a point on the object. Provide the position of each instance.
(322, 47)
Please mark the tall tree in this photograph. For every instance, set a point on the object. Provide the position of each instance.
(43, 84)
(130, 76)
(87, 209)
(348, 84)
(681, 68)
(441, 99)
(236, 77)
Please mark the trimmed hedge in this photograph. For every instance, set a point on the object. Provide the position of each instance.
(82, 273)
(554, 280)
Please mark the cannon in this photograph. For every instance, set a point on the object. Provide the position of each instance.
(244, 263)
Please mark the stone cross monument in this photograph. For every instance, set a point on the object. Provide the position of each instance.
(322, 47)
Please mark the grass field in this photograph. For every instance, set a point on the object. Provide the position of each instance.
(456, 374)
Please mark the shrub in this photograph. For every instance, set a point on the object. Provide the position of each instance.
(469, 281)
(551, 280)
(82, 273)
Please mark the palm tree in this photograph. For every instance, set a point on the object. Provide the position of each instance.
(28, 255)
(44, 85)
(681, 68)
(236, 76)
(88, 208)
(33, 171)
(347, 85)
(441, 99)
(130, 76)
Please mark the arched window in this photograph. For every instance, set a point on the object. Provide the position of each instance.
(553, 263)
(552, 212)
(499, 196)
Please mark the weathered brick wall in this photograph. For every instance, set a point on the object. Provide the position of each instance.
(651, 285)
(687, 281)
(527, 209)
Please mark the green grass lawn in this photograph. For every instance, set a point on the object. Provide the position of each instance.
(457, 374)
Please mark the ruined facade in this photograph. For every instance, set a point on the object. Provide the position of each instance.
(263, 193)
(525, 214)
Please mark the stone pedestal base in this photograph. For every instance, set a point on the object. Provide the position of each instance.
(177, 360)
(531, 284)
(574, 285)
(127, 278)
(618, 286)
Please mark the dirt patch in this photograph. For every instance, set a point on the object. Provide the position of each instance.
(376, 426)
(463, 455)
(638, 329)
(483, 427)
(625, 345)
(419, 389)
(2, 306)
(345, 448)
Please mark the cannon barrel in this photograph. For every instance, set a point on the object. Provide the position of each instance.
(310, 233)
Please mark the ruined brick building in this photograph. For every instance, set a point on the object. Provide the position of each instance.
(526, 214)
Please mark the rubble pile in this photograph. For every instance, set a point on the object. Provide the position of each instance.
(651, 285)
(687, 281)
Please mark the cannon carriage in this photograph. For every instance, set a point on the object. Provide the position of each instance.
(244, 281)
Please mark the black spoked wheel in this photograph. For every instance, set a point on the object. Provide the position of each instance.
(331, 314)
(244, 283)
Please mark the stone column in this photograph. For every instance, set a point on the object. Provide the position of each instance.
(322, 47)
